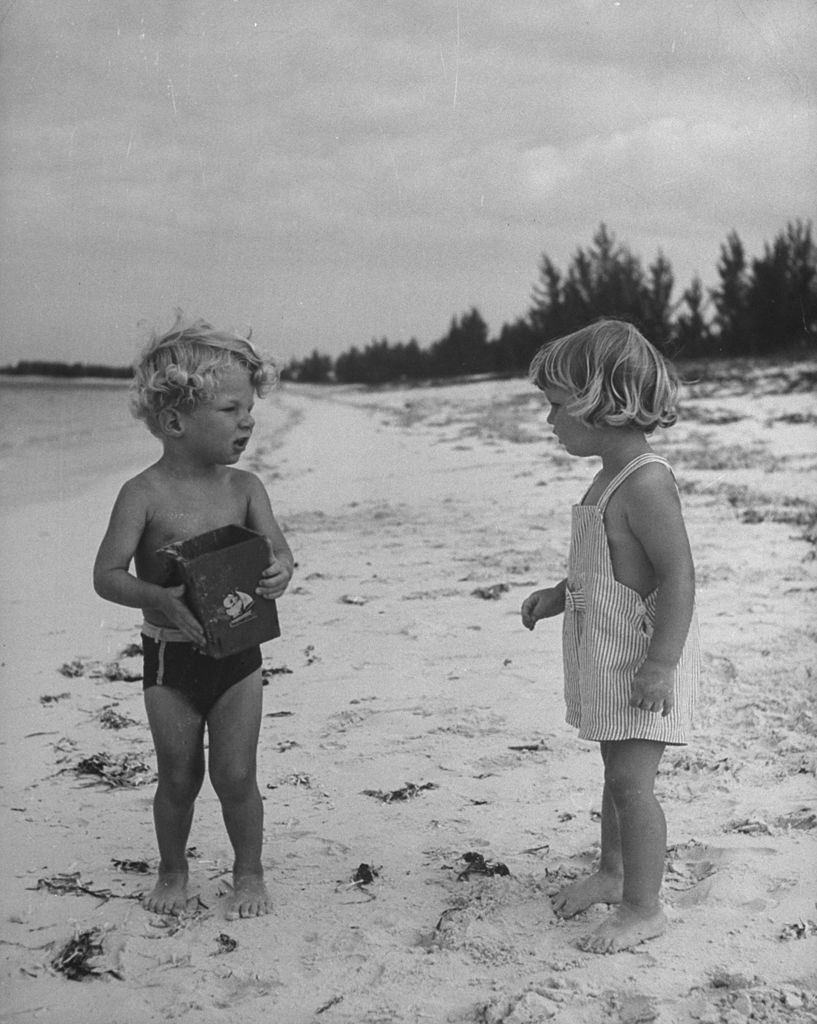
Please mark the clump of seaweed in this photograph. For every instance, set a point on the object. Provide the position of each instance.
(69, 884)
(491, 593)
(73, 669)
(82, 957)
(126, 770)
(476, 864)
(226, 943)
(365, 874)
(110, 719)
(801, 929)
(274, 670)
(407, 792)
(140, 867)
(112, 671)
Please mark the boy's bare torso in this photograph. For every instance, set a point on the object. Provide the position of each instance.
(179, 508)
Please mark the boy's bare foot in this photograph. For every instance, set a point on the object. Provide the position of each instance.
(578, 896)
(169, 895)
(624, 928)
(249, 897)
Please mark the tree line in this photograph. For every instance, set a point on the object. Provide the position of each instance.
(760, 306)
(71, 371)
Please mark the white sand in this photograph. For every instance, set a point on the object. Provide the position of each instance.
(399, 504)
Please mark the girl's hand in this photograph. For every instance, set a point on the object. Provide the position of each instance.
(652, 688)
(174, 608)
(274, 579)
(542, 604)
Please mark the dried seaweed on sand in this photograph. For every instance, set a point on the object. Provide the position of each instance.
(140, 867)
(118, 772)
(115, 671)
(49, 699)
(478, 865)
(406, 792)
(110, 719)
(365, 874)
(492, 593)
(274, 670)
(801, 929)
(112, 671)
(226, 943)
(69, 884)
(83, 956)
(73, 669)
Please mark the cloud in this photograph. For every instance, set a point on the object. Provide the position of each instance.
(401, 161)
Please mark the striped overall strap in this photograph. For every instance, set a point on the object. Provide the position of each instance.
(620, 477)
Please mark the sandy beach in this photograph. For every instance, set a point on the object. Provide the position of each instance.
(423, 796)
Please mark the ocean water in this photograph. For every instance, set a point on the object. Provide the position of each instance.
(58, 437)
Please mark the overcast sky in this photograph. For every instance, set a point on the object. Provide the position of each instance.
(330, 172)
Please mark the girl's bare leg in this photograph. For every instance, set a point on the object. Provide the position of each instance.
(630, 769)
(178, 732)
(605, 884)
(234, 725)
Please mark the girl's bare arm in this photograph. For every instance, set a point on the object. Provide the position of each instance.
(543, 604)
(654, 515)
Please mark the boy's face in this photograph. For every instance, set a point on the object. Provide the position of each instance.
(575, 437)
(218, 432)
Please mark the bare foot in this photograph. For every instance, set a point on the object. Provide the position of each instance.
(624, 928)
(578, 896)
(169, 895)
(249, 897)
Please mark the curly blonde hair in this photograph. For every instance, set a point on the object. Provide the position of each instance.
(614, 375)
(181, 368)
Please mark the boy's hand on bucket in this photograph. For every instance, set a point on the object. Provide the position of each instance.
(175, 609)
(274, 579)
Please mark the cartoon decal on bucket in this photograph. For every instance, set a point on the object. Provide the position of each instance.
(239, 607)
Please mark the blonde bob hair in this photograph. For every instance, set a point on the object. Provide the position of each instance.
(181, 368)
(614, 376)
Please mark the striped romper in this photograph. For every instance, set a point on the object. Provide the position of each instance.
(606, 633)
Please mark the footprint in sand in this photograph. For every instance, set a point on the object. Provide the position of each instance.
(499, 920)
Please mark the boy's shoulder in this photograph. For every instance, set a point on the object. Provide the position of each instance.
(151, 488)
(243, 479)
(145, 481)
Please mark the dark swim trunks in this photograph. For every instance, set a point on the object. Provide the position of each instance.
(179, 665)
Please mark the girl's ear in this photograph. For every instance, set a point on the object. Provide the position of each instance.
(171, 423)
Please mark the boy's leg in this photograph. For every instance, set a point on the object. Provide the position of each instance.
(178, 731)
(234, 725)
(605, 884)
(630, 769)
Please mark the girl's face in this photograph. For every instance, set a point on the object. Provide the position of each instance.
(573, 435)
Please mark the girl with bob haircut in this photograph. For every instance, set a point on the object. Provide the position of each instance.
(614, 375)
(630, 636)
